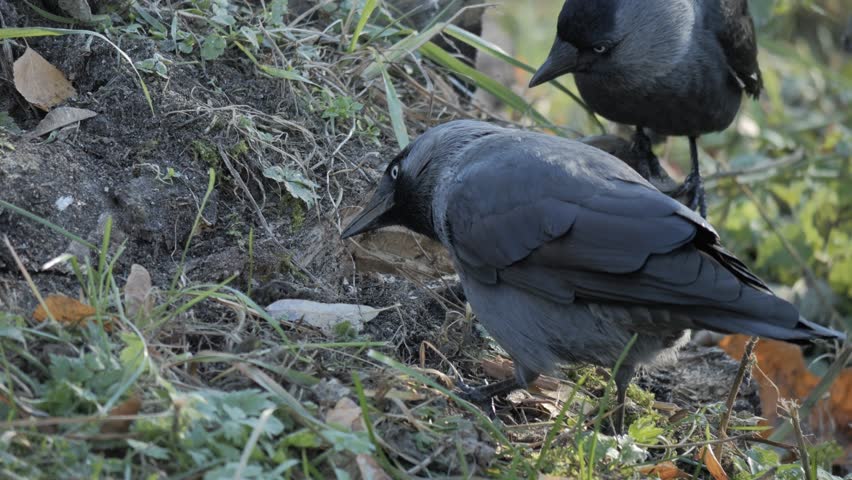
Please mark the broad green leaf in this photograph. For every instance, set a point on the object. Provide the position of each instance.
(213, 46)
(295, 183)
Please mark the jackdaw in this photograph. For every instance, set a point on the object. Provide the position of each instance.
(565, 252)
(678, 67)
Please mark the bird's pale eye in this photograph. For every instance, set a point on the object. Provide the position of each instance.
(394, 171)
(600, 49)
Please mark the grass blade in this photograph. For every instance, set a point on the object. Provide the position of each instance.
(362, 22)
(395, 110)
(495, 51)
(483, 81)
(402, 48)
(56, 228)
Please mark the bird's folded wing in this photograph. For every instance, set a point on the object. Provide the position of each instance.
(738, 41)
(565, 233)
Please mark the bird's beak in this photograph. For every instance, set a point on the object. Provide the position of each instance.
(561, 60)
(373, 215)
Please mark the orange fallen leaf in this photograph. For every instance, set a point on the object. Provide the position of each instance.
(784, 374)
(131, 406)
(664, 471)
(64, 310)
(39, 82)
(707, 456)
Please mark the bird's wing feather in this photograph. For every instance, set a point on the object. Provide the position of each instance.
(737, 37)
(590, 230)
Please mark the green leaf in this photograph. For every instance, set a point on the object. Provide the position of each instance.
(12, 333)
(295, 183)
(213, 47)
(276, 11)
(303, 439)
(644, 430)
(149, 449)
(133, 354)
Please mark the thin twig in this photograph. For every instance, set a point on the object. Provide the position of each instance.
(735, 389)
(745, 436)
(782, 162)
(427, 461)
(28, 278)
(800, 440)
(49, 421)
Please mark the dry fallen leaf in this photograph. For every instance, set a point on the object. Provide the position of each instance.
(131, 406)
(61, 117)
(393, 248)
(707, 456)
(324, 316)
(347, 414)
(664, 471)
(39, 82)
(64, 310)
(370, 470)
(404, 395)
(137, 292)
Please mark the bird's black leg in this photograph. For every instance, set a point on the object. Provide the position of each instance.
(650, 164)
(482, 395)
(693, 184)
(622, 381)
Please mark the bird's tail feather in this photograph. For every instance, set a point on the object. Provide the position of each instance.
(804, 331)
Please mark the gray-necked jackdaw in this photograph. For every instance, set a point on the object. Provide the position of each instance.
(565, 252)
(678, 67)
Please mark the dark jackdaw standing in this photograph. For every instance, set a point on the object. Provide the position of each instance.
(565, 252)
(678, 67)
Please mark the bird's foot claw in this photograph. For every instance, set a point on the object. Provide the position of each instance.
(693, 188)
(474, 395)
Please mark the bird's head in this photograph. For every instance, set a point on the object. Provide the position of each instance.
(612, 36)
(406, 191)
